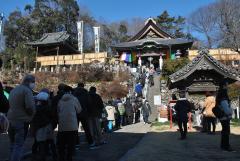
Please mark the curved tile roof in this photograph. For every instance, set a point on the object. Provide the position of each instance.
(150, 24)
(51, 38)
(156, 41)
(198, 63)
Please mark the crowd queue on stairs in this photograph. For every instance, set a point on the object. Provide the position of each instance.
(39, 115)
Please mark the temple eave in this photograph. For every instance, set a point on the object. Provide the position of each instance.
(142, 46)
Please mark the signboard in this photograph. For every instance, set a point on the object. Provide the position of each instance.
(97, 38)
(133, 70)
(80, 36)
(157, 100)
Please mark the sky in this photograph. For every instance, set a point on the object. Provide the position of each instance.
(115, 10)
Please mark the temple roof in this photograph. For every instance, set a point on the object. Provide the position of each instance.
(152, 35)
(151, 30)
(158, 42)
(51, 38)
(204, 62)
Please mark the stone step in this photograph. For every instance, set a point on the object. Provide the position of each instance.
(154, 90)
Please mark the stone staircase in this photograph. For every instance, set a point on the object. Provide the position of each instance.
(154, 90)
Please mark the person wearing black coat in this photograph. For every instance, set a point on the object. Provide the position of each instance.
(82, 95)
(223, 102)
(4, 104)
(54, 103)
(182, 108)
(129, 111)
(96, 107)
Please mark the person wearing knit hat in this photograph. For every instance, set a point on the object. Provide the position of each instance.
(42, 96)
(42, 127)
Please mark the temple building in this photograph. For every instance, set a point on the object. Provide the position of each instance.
(203, 73)
(58, 49)
(151, 45)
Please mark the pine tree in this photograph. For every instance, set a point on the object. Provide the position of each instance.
(171, 25)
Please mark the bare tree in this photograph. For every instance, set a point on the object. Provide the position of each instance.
(204, 21)
(229, 23)
(134, 25)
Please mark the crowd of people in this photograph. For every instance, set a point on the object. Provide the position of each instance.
(41, 114)
(215, 107)
(44, 112)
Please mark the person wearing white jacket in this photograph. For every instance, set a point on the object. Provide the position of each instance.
(68, 108)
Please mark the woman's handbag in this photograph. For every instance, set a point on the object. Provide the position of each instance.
(218, 112)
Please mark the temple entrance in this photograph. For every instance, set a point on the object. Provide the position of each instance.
(150, 59)
(150, 42)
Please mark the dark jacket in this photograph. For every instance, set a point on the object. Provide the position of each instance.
(82, 95)
(95, 105)
(146, 109)
(143, 77)
(54, 105)
(182, 108)
(129, 108)
(42, 116)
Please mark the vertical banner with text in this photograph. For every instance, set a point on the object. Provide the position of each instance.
(80, 36)
(97, 39)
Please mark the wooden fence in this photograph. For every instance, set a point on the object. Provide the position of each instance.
(71, 59)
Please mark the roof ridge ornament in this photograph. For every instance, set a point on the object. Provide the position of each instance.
(150, 19)
(203, 51)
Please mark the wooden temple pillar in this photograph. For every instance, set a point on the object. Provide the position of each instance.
(139, 60)
(58, 69)
(170, 51)
(36, 66)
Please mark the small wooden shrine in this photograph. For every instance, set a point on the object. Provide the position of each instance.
(58, 49)
(203, 73)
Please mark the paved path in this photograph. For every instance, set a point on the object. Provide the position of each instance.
(119, 143)
(165, 146)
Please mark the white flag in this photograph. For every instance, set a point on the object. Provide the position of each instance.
(80, 36)
(97, 39)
